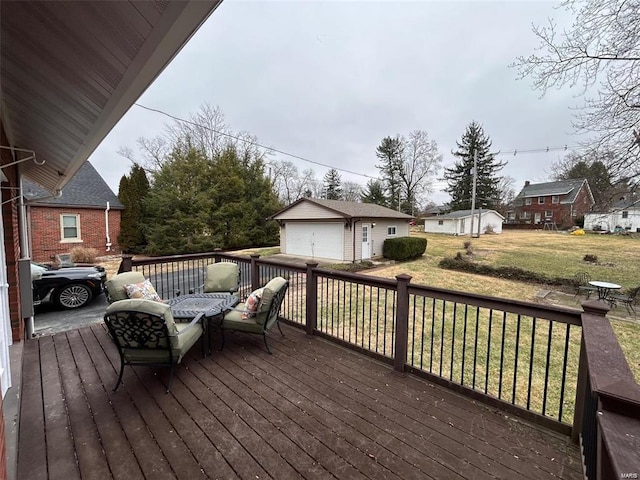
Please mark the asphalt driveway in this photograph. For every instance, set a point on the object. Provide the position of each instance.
(50, 319)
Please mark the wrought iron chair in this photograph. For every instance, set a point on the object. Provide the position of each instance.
(627, 300)
(116, 285)
(265, 317)
(581, 281)
(145, 333)
(222, 277)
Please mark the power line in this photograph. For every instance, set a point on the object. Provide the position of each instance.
(235, 137)
(298, 157)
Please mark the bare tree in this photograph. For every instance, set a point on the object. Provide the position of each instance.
(601, 53)
(351, 191)
(421, 162)
(290, 184)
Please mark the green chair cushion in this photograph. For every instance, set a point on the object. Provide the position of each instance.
(115, 286)
(222, 277)
(233, 321)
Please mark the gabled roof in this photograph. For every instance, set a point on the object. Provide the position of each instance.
(460, 214)
(349, 209)
(562, 187)
(85, 189)
(626, 202)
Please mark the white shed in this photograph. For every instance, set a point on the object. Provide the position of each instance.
(624, 215)
(459, 222)
(338, 230)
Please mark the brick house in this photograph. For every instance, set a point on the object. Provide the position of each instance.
(559, 203)
(86, 214)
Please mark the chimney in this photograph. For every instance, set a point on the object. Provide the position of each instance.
(527, 183)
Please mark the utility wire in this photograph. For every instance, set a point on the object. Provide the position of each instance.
(298, 157)
(235, 137)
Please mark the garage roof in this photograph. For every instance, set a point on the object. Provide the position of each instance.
(349, 209)
(71, 69)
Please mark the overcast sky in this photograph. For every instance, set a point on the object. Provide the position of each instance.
(328, 80)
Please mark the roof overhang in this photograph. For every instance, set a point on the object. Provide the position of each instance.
(71, 69)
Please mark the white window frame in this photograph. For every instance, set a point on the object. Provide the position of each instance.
(440, 222)
(392, 231)
(548, 214)
(525, 215)
(625, 214)
(540, 200)
(527, 201)
(78, 237)
(555, 199)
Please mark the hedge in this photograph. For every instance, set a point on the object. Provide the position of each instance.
(404, 248)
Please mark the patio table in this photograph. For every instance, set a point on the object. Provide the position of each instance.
(190, 305)
(604, 288)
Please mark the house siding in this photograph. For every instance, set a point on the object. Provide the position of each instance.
(46, 241)
(609, 221)
(309, 211)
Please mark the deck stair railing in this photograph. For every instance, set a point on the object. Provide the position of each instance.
(558, 367)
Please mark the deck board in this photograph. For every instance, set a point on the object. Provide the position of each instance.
(312, 410)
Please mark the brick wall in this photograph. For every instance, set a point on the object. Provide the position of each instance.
(46, 231)
(11, 240)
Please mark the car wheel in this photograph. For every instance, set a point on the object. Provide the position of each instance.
(75, 295)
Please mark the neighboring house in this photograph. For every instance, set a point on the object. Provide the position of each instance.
(559, 203)
(624, 215)
(86, 214)
(459, 222)
(338, 230)
(436, 210)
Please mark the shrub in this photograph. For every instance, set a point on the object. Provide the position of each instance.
(404, 248)
(511, 273)
(83, 255)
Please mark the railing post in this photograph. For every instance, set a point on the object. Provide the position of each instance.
(311, 311)
(600, 309)
(402, 322)
(216, 255)
(255, 272)
(125, 264)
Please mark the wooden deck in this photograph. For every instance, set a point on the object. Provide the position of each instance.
(310, 410)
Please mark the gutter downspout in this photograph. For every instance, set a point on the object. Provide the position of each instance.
(106, 222)
(353, 232)
(25, 251)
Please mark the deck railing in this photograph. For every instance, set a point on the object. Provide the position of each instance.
(544, 363)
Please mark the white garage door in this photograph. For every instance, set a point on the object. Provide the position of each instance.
(321, 240)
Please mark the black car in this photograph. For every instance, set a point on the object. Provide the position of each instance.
(67, 287)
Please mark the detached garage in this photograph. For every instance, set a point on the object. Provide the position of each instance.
(337, 230)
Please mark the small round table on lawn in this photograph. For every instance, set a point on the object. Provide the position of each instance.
(604, 288)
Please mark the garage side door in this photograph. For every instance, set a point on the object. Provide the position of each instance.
(321, 240)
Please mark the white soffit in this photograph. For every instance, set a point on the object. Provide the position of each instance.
(71, 69)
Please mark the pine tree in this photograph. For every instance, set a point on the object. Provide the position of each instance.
(374, 193)
(460, 176)
(132, 191)
(333, 185)
(390, 151)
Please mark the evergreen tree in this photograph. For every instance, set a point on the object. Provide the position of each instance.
(460, 176)
(333, 185)
(132, 191)
(374, 193)
(390, 151)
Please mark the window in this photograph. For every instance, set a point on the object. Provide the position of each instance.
(548, 214)
(70, 226)
(511, 215)
(527, 201)
(391, 231)
(525, 215)
(540, 200)
(440, 222)
(625, 214)
(555, 199)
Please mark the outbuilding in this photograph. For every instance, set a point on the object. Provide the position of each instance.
(338, 230)
(460, 222)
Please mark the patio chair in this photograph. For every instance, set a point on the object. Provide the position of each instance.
(627, 300)
(222, 277)
(145, 333)
(581, 281)
(265, 316)
(116, 286)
